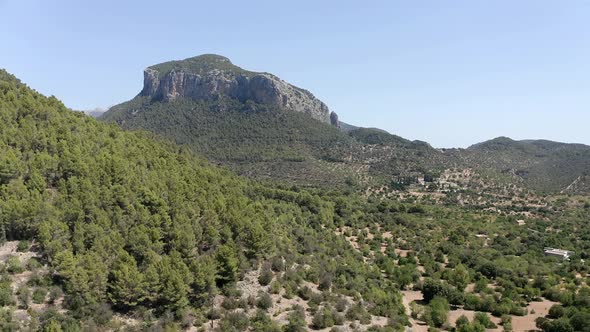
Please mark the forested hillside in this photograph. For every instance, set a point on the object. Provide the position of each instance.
(543, 165)
(252, 139)
(126, 224)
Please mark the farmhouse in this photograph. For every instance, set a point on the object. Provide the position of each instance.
(559, 253)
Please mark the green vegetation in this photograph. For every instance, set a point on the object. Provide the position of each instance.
(252, 139)
(438, 309)
(290, 147)
(478, 260)
(126, 224)
(273, 144)
(130, 224)
(201, 64)
(377, 137)
(542, 165)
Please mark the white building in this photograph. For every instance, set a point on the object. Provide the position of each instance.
(559, 253)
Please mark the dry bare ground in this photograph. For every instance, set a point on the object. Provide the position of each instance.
(409, 296)
(526, 323)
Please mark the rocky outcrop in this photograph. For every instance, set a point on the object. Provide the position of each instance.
(334, 120)
(217, 77)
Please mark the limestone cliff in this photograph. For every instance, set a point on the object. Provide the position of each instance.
(209, 77)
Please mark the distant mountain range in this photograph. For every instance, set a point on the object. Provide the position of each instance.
(263, 127)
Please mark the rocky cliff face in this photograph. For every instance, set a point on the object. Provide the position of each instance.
(209, 77)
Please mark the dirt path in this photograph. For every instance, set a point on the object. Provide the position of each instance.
(409, 296)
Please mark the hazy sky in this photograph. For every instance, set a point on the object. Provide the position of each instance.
(448, 72)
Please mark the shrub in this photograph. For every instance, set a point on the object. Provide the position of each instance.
(23, 246)
(39, 280)
(275, 287)
(556, 311)
(33, 264)
(251, 300)
(23, 295)
(13, 265)
(483, 319)
(289, 290)
(214, 314)
(277, 264)
(265, 277)
(234, 321)
(507, 323)
(55, 293)
(341, 304)
(7, 321)
(305, 293)
(358, 312)
(296, 320)
(438, 309)
(6, 294)
(39, 295)
(262, 322)
(102, 313)
(324, 318)
(232, 303)
(325, 282)
(264, 301)
(472, 302)
(338, 318)
(462, 320)
(415, 310)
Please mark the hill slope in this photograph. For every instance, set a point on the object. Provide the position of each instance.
(541, 164)
(121, 221)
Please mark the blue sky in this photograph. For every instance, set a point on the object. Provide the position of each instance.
(452, 73)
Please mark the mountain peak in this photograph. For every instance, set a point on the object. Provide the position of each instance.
(211, 77)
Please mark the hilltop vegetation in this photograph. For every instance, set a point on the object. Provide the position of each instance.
(201, 65)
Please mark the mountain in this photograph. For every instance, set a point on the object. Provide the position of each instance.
(269, 130)
(211, 77)
(260, 126)
(107, 229)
